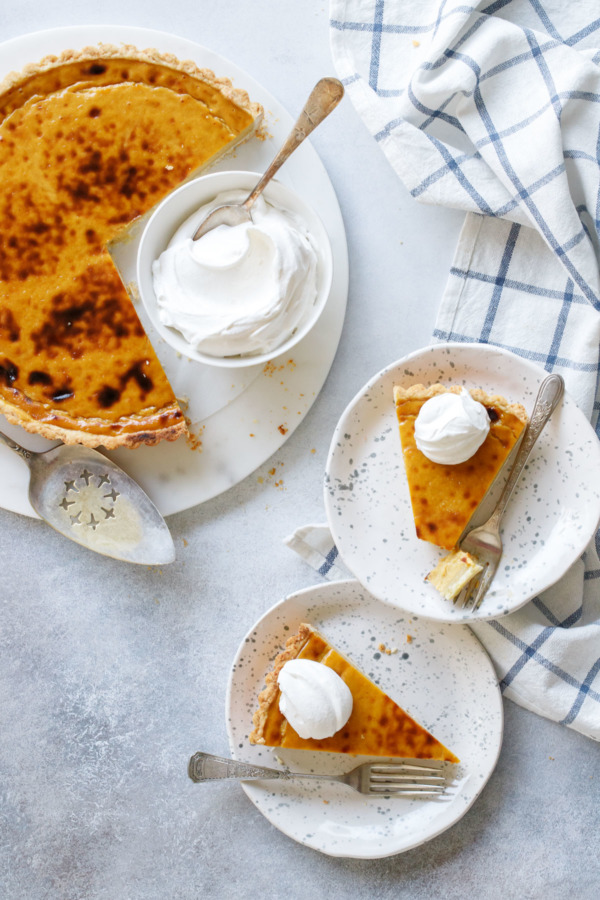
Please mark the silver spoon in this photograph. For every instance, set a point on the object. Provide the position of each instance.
(323, 99)
(90, 500)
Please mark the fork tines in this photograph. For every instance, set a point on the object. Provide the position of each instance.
(470, 591)
(476, 590)
(406, 787)
(409, 770)
(405, 778)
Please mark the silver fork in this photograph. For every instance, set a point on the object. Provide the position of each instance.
(400, 779)
(484, 542)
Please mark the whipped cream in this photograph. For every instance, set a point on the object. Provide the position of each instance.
(450, 428)
(240, 290)
(314, 699)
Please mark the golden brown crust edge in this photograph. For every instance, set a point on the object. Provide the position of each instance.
(129, 51)
(293, 646)
(131, 440)
(425, 392)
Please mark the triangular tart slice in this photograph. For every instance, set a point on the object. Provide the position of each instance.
(445, 497)
(377, 725)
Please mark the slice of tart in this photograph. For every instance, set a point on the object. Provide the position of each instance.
(377, 725)
(89, 142)
(445, 497)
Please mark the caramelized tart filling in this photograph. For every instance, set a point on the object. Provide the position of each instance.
(377, 725)
(86, 147)
(444, 497)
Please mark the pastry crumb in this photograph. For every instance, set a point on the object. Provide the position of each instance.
(454, 572)
(271, 475)
(270, 368)
(194, 441)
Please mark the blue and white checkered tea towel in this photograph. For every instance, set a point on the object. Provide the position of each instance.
(494, 108)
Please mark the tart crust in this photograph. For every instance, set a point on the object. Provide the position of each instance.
(425, 392)
(91, 140)
(377, 725)
(15, 83)
(444, 498)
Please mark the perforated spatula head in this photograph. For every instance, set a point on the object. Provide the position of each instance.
(89, 499)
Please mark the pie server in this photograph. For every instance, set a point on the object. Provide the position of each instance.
(90, 500)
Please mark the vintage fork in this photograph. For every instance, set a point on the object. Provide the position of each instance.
(398, 779)
(484, 542)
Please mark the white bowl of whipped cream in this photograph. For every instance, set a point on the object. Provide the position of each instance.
(239, 295)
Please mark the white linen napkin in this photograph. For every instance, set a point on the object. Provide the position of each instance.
(494, 108)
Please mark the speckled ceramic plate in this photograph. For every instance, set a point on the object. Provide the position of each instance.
(440, 674)
(551, 517)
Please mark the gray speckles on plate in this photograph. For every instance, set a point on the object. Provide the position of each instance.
(552, 515)
(441, 676)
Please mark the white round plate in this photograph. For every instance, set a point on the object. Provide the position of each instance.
(441, 676)
(239, 419)
(551, 517)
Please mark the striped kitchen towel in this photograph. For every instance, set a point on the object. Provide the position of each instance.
(494, 108)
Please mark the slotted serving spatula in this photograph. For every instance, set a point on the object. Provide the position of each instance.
(89, 499)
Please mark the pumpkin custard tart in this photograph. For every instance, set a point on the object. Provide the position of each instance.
(89, 142)
(377, 725)
(444, 497)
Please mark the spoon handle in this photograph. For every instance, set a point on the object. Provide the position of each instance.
(323, 99)
(21, 451)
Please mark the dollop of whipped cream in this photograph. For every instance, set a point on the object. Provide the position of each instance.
(450, 427)
(239, 290)
(314, 699)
